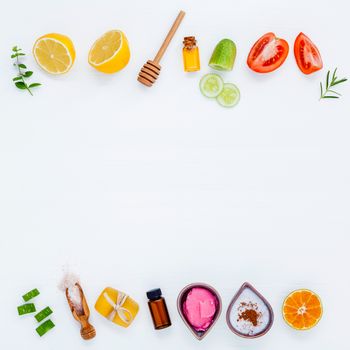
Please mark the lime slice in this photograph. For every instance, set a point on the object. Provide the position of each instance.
(211, 85)
(224, 55)
(229, 95)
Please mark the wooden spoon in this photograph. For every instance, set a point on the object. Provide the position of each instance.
(87, 330)
(150, 71)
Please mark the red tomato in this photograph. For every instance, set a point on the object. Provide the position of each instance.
(267, 54)
(307, 55)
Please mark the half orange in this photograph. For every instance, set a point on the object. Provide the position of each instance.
(302, 309)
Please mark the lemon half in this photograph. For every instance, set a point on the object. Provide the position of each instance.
(54, 53)
(110, 53)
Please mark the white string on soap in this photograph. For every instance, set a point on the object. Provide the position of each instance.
(118, 308)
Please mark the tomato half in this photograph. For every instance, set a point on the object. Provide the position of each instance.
(267, 54)
(307, 55)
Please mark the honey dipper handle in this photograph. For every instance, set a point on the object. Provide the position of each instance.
(170, 35)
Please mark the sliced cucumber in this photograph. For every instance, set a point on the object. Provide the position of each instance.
(224, 55)
(211, 85)
(229, 95)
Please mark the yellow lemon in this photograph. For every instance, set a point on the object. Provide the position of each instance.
(110, 53)
(54, 53)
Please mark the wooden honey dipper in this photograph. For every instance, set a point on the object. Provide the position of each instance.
(150, 71)
(87, 330)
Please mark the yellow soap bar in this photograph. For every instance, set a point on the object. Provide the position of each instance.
(117, 307)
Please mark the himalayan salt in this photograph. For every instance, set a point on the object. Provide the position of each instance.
(69, 282)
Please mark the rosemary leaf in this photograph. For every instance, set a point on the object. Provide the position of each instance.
(334, 78)
(327, 80)
(328, 92)
(340, 81)
(334, 92)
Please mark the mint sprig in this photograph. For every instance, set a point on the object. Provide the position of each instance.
(328, 92)
(23, 73)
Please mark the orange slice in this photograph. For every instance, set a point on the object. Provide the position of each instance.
(302, 309)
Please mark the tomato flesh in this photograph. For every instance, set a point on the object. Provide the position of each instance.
(307, 55)
(267, 54)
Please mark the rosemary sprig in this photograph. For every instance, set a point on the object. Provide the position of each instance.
(328, 92)
(23, 74)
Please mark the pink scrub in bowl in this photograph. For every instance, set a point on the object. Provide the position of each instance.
(199, 306)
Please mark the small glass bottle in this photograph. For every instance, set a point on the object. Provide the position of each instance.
(158, 309)
(190, 53)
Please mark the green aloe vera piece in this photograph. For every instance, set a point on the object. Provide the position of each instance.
(26, 309)
(30, 295)
(43, 314)
(45, 327)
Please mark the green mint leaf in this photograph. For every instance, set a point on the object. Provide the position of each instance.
(34, 85)
(321, 90)
(21, 85)
(17, 54)
(27, 74)
(19, 79)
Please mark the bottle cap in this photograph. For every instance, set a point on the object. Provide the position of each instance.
(189, 42)
(154, 294)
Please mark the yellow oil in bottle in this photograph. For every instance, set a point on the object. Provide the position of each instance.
(190, 53)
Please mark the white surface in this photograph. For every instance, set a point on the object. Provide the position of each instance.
(138, 188)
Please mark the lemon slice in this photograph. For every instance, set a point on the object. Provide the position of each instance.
(110, 53)
(54, 53)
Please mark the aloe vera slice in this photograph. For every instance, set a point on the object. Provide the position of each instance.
(43, 314)
(45, 327)
(30, 295)
(26, 309)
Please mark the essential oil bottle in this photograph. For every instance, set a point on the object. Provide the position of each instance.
(158, 309)
(190, 53)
